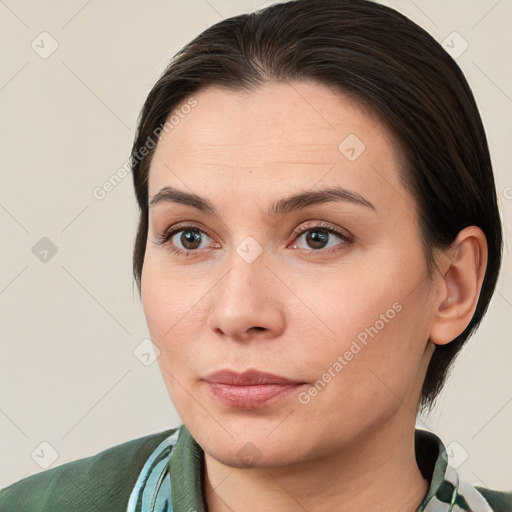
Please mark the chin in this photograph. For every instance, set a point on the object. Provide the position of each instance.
(250, 455)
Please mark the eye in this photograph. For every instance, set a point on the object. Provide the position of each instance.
(184, 240)
(320, 237)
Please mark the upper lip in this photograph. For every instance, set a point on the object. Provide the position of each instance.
(247, 378)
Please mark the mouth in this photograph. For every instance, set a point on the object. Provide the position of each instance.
(250, 389)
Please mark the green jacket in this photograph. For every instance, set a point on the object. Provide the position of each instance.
(163, 472)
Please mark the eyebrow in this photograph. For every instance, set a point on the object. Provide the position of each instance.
(294, 202)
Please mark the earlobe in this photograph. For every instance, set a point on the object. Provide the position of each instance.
(460, 283)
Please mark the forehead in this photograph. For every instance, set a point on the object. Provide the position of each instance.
(298, 132)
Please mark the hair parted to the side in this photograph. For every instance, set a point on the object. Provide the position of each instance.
(391, 66)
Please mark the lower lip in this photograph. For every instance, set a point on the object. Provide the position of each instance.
(250, 397)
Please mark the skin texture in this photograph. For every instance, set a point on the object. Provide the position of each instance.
(293, 313)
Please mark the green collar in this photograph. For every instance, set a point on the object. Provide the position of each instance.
(186, 468)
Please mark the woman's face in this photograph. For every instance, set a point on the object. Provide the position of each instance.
(330, 292)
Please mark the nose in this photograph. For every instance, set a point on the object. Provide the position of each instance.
(247, 303)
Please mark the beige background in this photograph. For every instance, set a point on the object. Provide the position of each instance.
(70, 325)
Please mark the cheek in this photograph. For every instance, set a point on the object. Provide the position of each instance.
(377, 330)
(167, 299)
(174, 310)
(359, 380)
(166, 315)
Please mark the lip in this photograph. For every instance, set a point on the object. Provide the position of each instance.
(250, 389)
(247, 378)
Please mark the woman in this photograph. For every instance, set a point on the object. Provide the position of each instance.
(319, 236)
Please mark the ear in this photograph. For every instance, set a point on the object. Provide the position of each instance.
(461, 270)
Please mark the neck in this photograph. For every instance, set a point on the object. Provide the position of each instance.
(377, 473)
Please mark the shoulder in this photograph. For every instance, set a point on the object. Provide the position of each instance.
(500, 501)
(100, 482)
(447, 486)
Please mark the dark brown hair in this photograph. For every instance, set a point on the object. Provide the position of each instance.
(394, 68)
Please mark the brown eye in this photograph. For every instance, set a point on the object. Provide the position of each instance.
(190, 239)
(185, 240)
(318, 238)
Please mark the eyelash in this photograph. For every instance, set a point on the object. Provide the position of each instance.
(347, 238)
